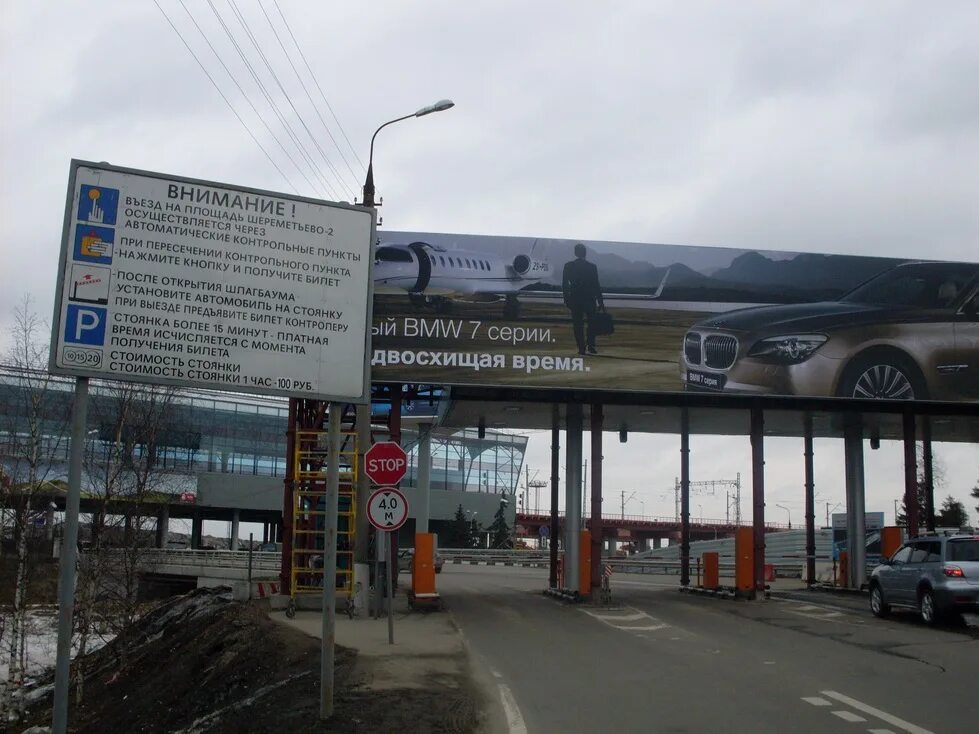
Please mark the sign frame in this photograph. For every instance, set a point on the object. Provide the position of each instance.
(404, 501)
(63, 264)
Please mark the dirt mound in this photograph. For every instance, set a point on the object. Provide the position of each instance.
(202, 663)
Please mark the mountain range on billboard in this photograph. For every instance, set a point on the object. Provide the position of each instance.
(750, 276)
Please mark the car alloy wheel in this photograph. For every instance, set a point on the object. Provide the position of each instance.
(929, 614)
(883, 381)
(877, 605)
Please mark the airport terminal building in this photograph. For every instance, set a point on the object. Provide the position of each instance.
(217, 455)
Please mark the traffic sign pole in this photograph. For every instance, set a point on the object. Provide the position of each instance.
(390, 581)
(387, 511)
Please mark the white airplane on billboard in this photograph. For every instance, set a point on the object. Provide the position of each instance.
(433, 276)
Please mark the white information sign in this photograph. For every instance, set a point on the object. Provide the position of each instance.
(176, 281)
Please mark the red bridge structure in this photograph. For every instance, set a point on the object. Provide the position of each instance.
(639, 530)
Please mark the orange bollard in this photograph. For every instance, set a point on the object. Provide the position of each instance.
(744, 559)
(712, 570)
(890, 541)
(423, 566)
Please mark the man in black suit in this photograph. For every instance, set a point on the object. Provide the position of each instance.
(583, 296)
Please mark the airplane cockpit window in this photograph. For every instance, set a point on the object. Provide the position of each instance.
(391, 254)
(442, 260)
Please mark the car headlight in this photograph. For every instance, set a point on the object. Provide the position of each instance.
(788, 349)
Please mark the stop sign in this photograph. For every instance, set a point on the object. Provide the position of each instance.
(385, 463)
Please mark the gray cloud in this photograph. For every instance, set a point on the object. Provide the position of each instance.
(834, 128)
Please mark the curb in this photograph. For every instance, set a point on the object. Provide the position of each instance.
(720, 593)
(565, 595)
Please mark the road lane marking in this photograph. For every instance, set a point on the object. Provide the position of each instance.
(880, 731)
(648, 628)
(514, 719)
(619, 617)
(816, 701)
(848, 716)
(882, 715)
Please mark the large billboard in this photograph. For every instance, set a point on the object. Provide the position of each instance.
(175, 281)
(546, 313)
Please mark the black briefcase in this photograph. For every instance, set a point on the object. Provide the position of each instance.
(602, 324)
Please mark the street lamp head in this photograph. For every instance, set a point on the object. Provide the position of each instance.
(440, 106)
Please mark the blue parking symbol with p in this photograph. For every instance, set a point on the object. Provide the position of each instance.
(85, 325)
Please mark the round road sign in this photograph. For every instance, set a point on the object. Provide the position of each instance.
(385, 463)
(387, 508)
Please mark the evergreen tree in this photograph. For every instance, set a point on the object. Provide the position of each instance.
(975, 494)
(460, 531)
(953, 514)
(499, 531)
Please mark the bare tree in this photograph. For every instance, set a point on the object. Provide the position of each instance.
(35, 418)
(126, 473)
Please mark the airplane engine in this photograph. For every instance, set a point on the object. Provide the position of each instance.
(525, 266)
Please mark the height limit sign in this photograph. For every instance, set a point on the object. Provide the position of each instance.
(387, 509)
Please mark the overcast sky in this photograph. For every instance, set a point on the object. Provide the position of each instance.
(826, 127)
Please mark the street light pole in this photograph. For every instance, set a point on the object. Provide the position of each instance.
(787, 512)
(440, 106)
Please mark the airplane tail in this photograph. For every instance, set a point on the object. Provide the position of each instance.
(662, 284)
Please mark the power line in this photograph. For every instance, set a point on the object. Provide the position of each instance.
(306, 90)
(275, 109)
(246, 97)
(275, 77)
(313, 76)
(226, 100)
(325, 186)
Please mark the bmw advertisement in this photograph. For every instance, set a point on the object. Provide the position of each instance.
(550, 313)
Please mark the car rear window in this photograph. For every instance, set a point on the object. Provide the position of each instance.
(963, 550)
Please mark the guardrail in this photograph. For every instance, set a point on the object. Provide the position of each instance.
(786, 567)
(261, 561)
(656, 520)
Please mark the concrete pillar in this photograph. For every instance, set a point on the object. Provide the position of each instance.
(235, 526)
(684, 497)
(225, 457)
(572, 500)
(758, 497)
(424, 477)
(555, 528)
(910, 475)
(810, 504)
(162, 526)
(196, 531)
(265, 532)
(610, 546)
(856, 525)
(595, 522)
(928, 471)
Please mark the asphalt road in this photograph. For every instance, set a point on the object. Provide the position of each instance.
(662, 661)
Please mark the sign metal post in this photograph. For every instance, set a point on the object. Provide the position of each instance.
(387, 511)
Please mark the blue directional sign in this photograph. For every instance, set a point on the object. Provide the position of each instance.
(94, 244)
(98, 205)
(85, 325)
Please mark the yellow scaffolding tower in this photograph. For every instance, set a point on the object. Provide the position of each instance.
(309, 511)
